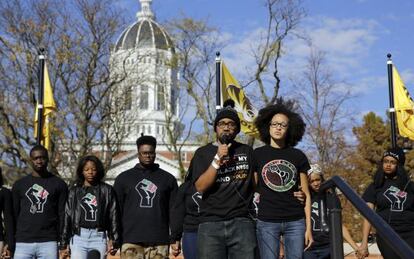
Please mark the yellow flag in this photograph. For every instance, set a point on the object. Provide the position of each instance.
(404, 107)
(49, 106)
(230, 89)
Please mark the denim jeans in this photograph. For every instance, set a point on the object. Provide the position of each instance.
(42, 250)
(89, 239)
(190, 245)
(233, 239)
(268, 238)
(318, 253)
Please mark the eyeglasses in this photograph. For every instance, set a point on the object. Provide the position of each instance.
(222, 124)
(278, 124)
(147, 154)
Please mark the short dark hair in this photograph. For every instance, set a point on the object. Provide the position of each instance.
(296, 128)
(81, 164)
(38, 148)
(146, 140)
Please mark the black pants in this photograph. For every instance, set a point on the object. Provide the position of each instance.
(386, 250)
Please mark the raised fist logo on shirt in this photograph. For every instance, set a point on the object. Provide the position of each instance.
(37, 196)
(279, 175)
(147, 191)
(197, 197)
(396, 197)
(89, 204)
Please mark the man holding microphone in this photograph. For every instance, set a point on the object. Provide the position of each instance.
(223, 172)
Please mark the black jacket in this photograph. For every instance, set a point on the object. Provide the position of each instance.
(108, 217)
(6, 209)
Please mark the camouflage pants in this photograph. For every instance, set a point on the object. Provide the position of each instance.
(133, 251)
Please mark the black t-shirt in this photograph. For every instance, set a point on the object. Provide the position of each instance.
(230, 196)
(394, 205)
(39, 206)
(186, 210)
(192, 208)
(89, 208)
(146, 196)
(278, 172)
(319, 220)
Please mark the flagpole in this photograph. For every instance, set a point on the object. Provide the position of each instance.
(218, 82)
(391, 96)
(40, 96)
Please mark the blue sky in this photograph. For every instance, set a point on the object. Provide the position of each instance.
(355, 34)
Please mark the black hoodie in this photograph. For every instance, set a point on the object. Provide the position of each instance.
(145, 196)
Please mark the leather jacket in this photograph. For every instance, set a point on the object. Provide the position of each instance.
(108, 214)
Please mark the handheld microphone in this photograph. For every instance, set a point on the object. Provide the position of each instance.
(226, 139)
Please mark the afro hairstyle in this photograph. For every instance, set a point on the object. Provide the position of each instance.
(296, 128)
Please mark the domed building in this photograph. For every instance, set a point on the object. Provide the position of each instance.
(145, 102)
(142, 57)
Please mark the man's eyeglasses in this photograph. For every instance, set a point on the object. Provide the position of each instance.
(147, 154)
(278, 124)
(222, 124)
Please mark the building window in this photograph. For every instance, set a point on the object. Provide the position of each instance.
(128, 98)
(174, 103)
(160, 98)
(184, 156)
(143, 98)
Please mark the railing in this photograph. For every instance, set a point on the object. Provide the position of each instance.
(335, 221)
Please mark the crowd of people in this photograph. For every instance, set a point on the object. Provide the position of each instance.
(235, 202)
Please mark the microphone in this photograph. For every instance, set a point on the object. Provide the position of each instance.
(226, 139)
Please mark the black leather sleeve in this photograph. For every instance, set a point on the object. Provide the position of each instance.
(67, 220)
(114, 219)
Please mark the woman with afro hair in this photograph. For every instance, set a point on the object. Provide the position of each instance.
(281, 171)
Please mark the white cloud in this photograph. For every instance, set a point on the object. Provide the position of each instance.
(345, 41)
(407, 76)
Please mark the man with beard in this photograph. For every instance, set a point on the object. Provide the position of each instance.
(223, 172)
(39, 205)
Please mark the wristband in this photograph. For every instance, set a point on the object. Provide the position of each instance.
(215, 165)
(217, 157)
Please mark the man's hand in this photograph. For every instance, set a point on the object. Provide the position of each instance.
(176, 248)
(110, 248)
(362, 251)
(223, 152)
(64, 253)
(300, 195)
(6, 252)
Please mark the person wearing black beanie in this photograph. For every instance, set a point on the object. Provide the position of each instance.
(392, 196)
(222, 171)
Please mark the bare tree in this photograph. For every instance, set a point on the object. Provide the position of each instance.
(78, 45)
(196, 43)
(283, 18)
(322, 104)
